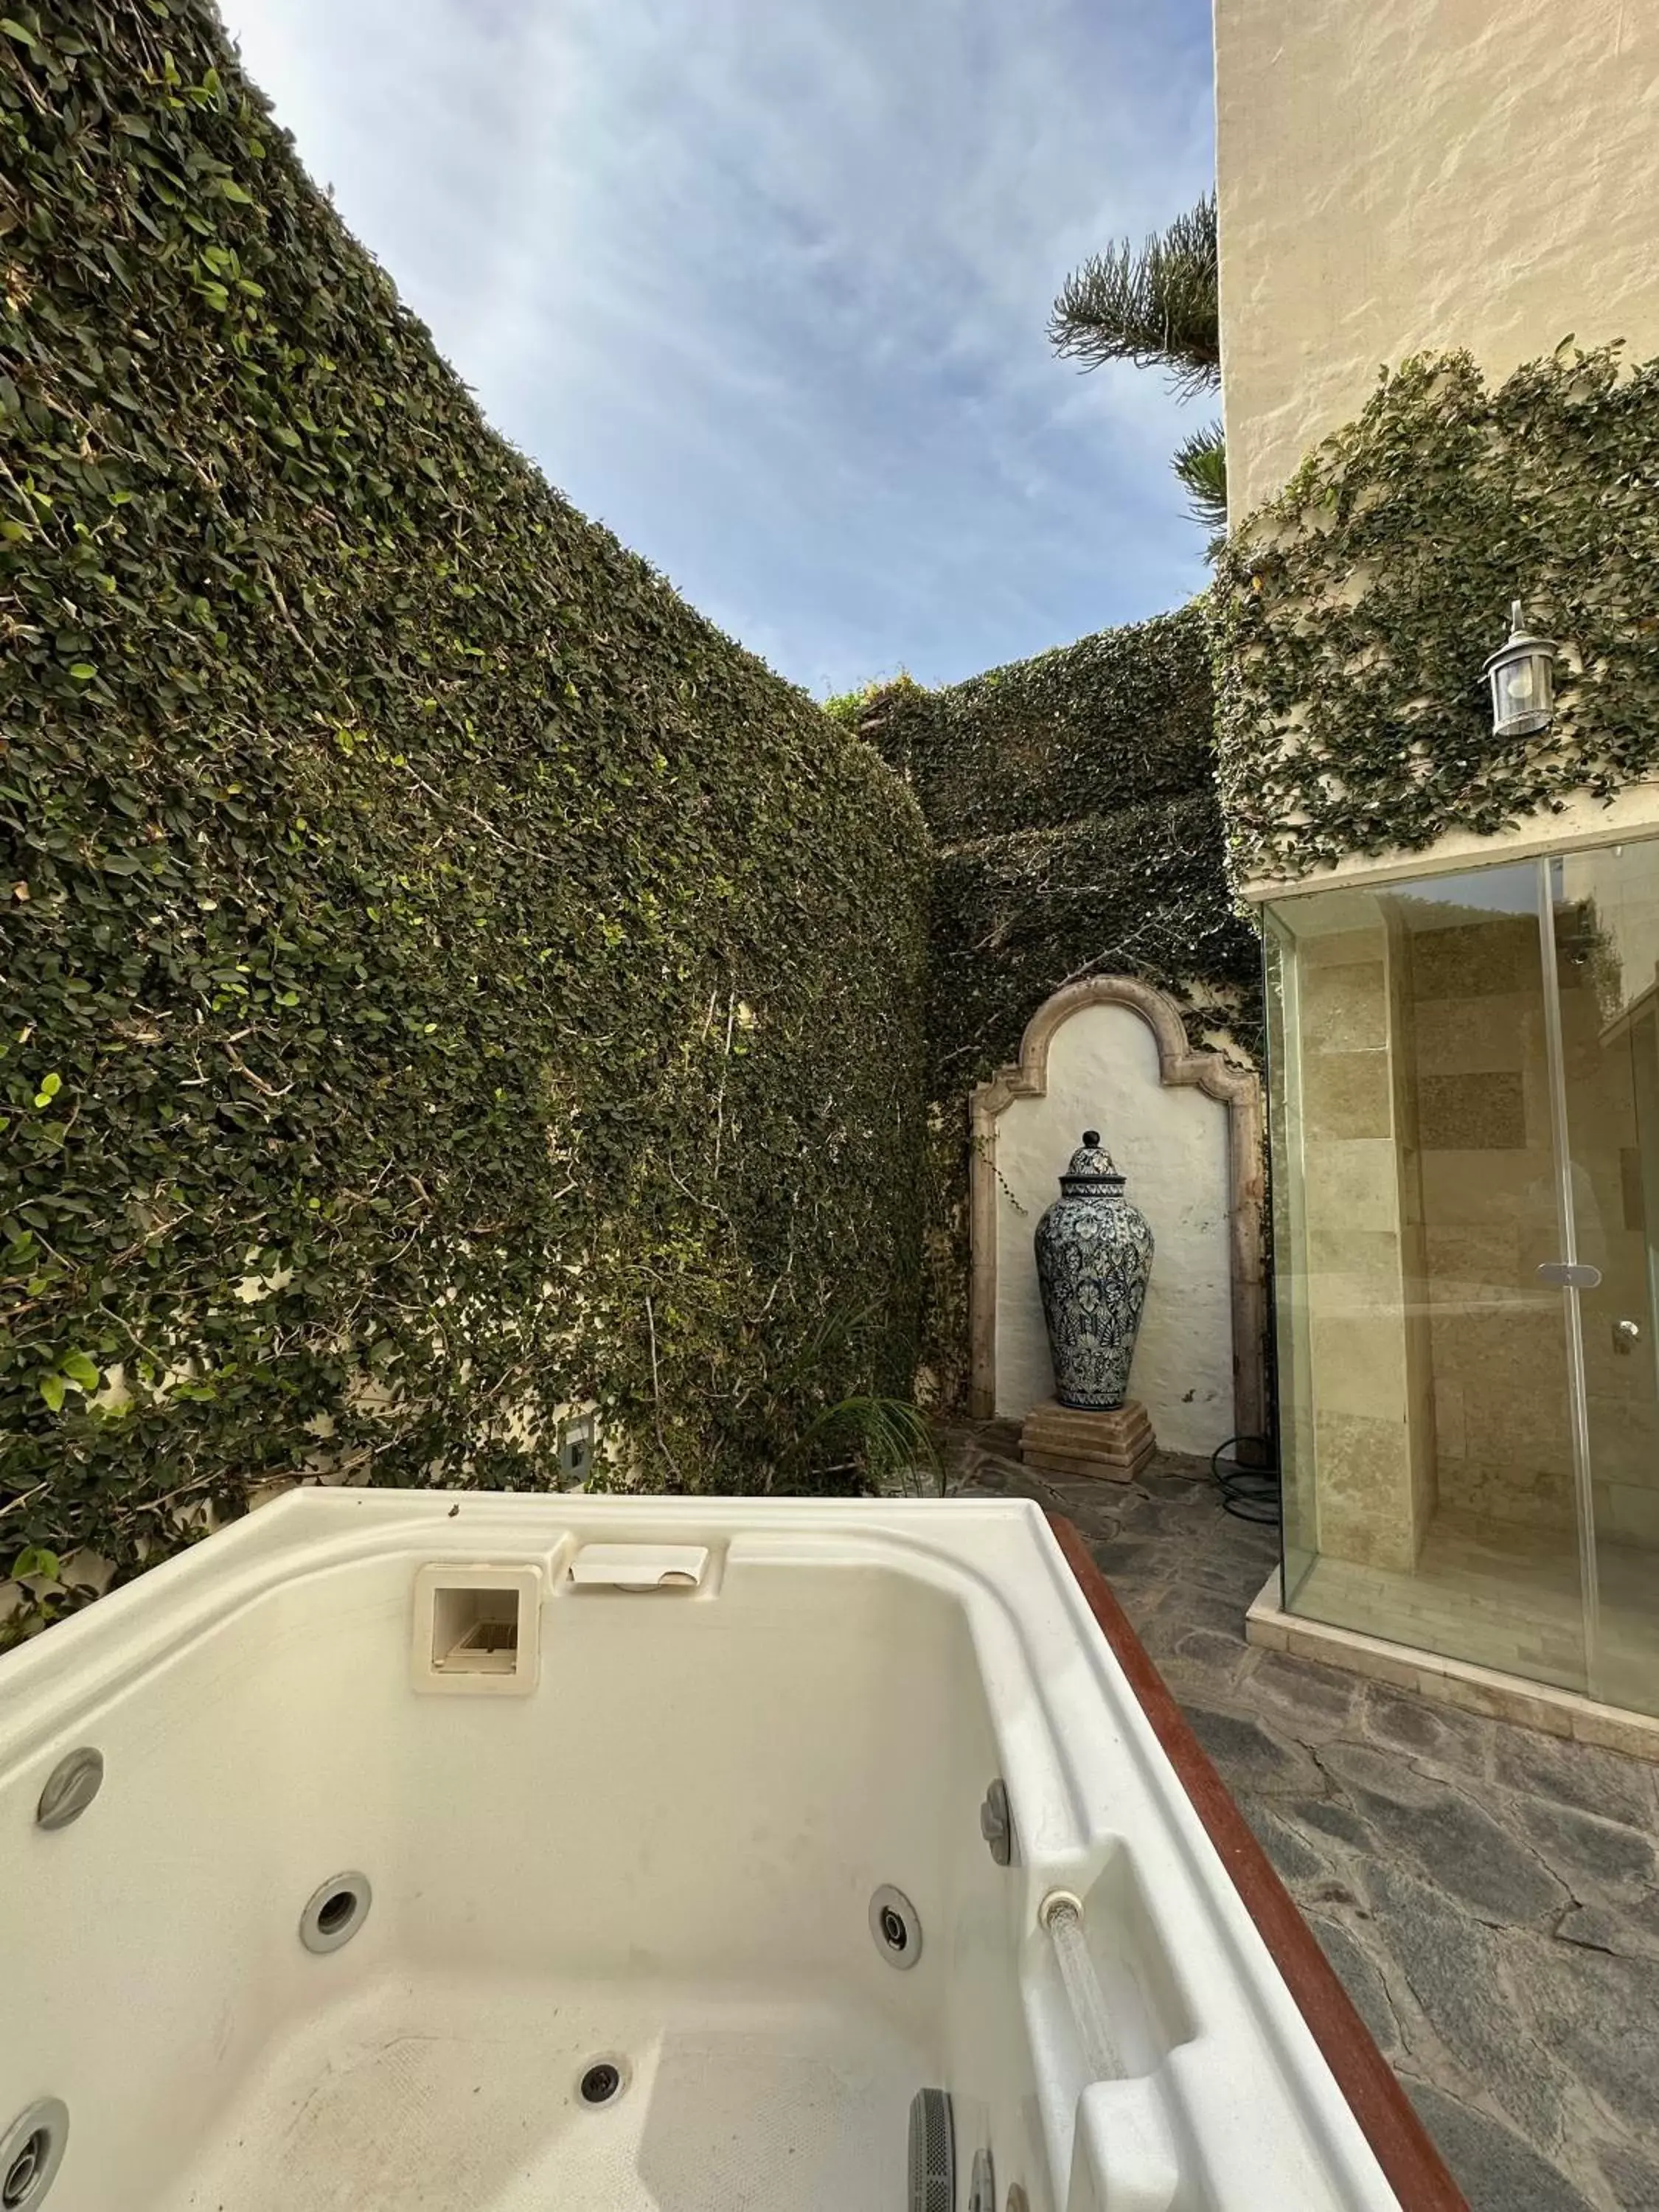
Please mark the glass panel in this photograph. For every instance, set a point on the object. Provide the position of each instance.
(1606, 908)
(1298, 1545)
(1426, 1388)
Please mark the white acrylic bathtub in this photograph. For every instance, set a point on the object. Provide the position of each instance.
(553, 1826)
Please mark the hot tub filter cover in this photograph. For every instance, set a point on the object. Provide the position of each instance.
(933, 2153)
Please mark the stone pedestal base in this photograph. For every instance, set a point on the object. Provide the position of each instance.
(1058, 1439)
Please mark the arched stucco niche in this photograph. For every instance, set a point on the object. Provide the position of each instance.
(1111, 1053)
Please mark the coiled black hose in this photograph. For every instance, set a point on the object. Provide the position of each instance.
(1248, 1492)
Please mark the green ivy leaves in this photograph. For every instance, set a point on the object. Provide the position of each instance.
(391, 852)
(1073, 799)
(1355, 610)
(75, 1370)
(1118, 719)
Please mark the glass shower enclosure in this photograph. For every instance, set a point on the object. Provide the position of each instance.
(1464, 1077)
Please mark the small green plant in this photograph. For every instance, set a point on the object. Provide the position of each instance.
(864, 1438)
(849, 708)
(885, 1441)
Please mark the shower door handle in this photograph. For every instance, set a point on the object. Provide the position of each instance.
(1569, 1275)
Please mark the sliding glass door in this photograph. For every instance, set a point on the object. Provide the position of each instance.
(1464, 1122)
(1604, 907)
(1428, 1373)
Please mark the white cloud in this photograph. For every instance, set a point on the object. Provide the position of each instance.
(763, 284)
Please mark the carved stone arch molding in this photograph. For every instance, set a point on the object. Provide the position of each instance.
(1237, 1088)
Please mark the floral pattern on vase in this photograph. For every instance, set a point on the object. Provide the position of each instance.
(1094, 1257)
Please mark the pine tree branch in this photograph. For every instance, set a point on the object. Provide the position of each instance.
(1200, 462)
(1157, 308)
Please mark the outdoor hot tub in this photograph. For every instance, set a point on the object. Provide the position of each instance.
(491, 1852)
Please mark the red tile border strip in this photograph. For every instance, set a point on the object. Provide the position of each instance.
(1399, 2140)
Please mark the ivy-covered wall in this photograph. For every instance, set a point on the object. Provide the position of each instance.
(444, 977)
(1071, 801)
(1356, 611)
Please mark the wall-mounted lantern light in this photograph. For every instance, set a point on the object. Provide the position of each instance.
(1521, 673)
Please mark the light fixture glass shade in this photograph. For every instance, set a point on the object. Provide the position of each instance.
(1521, 673)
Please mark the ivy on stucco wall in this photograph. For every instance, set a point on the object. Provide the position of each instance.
(1072, 800)
(1355, 609)
(1116, 719)
(445, 979)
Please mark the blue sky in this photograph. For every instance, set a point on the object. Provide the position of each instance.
(762, 285)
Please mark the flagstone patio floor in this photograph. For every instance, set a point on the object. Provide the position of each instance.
(1489, 1896)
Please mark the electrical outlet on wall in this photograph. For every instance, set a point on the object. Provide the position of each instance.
(577, 1438)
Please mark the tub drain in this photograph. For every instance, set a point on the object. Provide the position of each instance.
(31, 2152)
(335, 1912)
(601, 2082)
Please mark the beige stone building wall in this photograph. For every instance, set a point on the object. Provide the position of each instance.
(1429, 1382)
(1360, 1403)
(1400, 175)
(1485, 1166)
(1397, 177)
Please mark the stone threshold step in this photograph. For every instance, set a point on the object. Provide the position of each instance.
(1459, 1682)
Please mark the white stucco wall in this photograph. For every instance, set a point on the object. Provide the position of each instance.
(1396, 176)
(1172, 1145)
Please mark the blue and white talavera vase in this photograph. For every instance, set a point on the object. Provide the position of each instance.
(1094, 1255)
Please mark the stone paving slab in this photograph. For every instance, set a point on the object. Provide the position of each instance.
(1489, 1897)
